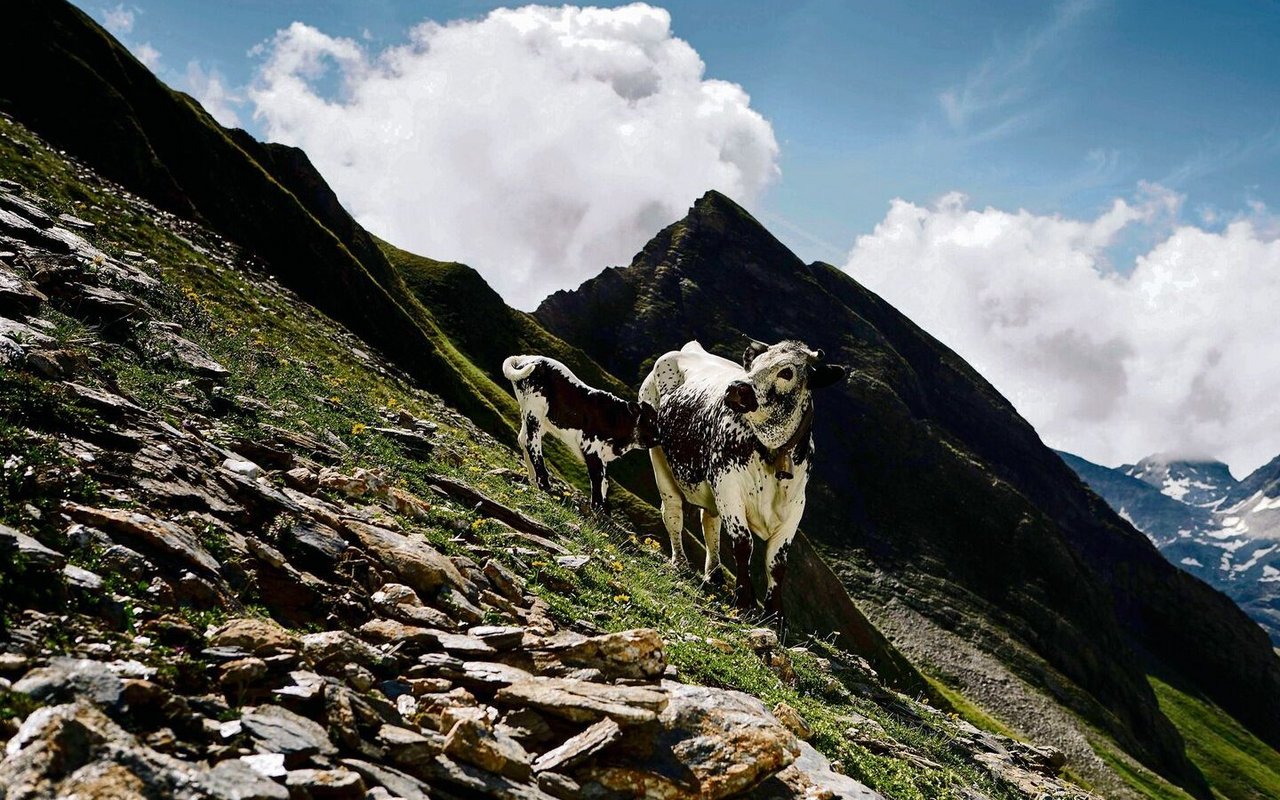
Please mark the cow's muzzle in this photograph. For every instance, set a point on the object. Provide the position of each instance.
(741, 397)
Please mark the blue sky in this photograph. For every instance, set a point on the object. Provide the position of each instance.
(1060, 107)
(1079, 197)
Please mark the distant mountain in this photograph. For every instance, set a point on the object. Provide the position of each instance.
(1224, 531)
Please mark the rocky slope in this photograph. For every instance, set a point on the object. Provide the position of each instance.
(1223, 531)
(947, 517)
(246, 563)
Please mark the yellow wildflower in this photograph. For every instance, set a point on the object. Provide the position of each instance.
(359, 428)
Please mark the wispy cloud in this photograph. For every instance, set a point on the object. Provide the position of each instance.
(996, 98)
(1218, 156)
(828, 250)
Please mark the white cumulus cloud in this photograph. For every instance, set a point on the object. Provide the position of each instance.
(1173, 349)
(537, 144)
(209, 87)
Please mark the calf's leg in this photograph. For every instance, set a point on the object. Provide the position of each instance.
(532, 445)
(523, 440)
(595, 471)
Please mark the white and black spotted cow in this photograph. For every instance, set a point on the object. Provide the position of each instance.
(737, 443)
(598, 425)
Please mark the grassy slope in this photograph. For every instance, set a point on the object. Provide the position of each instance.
(1236, 763)
(303, 368)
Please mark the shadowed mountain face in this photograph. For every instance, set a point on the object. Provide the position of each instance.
(931, 491)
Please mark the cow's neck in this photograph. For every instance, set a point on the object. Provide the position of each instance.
(783, 458)
(784, 437)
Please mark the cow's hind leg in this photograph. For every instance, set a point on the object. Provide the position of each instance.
(672, 504)
(712, 573)
(532, 445)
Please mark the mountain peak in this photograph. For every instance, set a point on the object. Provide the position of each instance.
(714, 203)
(723, 235)
(1197, 482)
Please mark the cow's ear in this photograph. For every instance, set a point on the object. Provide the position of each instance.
(824, 375)
(753, 349)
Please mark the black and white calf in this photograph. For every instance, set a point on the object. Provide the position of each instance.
(737, 443)
(598, 425)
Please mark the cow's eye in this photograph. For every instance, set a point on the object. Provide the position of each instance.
(786, 374)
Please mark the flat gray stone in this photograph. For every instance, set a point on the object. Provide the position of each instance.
(279, 730)
(580, 701)
(65, 679)
(236, 780)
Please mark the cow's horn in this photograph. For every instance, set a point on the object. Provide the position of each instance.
(754, 348)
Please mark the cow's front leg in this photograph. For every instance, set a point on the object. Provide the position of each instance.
(595, 471)
(711, 573)
(775, 565)
(740, 539)
(775, 556)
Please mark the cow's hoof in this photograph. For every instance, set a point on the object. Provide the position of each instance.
(744, 601)
(714, 578)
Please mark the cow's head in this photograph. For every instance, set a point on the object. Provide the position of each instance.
(772, 396)
(646, 424)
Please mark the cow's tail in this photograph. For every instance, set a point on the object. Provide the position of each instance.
(517, 368)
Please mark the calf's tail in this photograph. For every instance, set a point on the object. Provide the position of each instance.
(517, 368)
